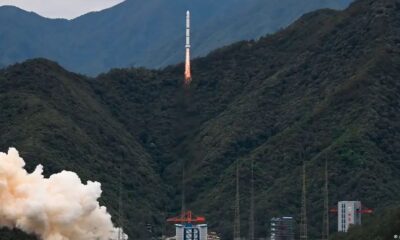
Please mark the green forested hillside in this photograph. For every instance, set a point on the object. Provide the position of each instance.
(54, 118)
(324, 88)
(14, 234)
(385, 225)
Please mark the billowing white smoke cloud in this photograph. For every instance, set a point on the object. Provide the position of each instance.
(56, 208)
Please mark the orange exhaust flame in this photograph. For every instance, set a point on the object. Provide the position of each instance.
(188, 74)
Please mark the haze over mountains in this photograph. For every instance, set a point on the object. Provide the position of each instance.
(324, 88)
(143, 33)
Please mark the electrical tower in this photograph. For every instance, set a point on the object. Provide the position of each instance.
(251, 221)
(303, 216)
(236, 226)
(325, 220)
(183, 207)
(120, 229)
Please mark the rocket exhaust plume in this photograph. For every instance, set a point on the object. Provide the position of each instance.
(188, 74)
(60, 207)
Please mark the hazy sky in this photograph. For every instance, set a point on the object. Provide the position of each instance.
(61, 8)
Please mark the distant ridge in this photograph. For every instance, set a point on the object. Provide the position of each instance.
(143, 33)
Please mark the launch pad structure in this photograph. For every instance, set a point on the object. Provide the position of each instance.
(189, 227)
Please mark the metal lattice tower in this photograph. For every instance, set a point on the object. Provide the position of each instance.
(303, 216)
(325, 220)
(120, 229)
(183, 207)
(236, 226)
(251, 221)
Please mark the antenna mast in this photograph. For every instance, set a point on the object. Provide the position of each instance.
(325, 220)
(303, 220)
(236, 227)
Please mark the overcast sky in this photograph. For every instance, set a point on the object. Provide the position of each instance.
(61, 8)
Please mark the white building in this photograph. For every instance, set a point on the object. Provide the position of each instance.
(191, 232)
(349, 213)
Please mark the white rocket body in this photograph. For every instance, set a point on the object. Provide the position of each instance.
(188, 75)
(188, 29)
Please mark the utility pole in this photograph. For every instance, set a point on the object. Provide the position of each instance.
(251, 227)
(325, 220)
(236, 226)
(303, 216)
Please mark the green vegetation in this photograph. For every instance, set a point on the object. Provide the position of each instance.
(324, 88)
(384, 226)
(14, 234)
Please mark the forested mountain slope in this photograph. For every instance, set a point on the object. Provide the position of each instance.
(325, 88)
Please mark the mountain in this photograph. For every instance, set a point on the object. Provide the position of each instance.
(324, 88)
(143, 33)
(50, 108)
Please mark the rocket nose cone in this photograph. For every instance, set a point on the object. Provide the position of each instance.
(188, 12)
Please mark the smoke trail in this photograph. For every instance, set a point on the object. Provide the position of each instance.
(60, 207)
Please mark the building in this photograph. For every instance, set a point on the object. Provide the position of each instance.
(189, 227)
(349, 213)
(282, 228)
(191, 231)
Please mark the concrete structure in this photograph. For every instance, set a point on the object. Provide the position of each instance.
(282, 228)
(191, 231)
(349, 213)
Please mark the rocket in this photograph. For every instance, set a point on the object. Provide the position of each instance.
(188, 75)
